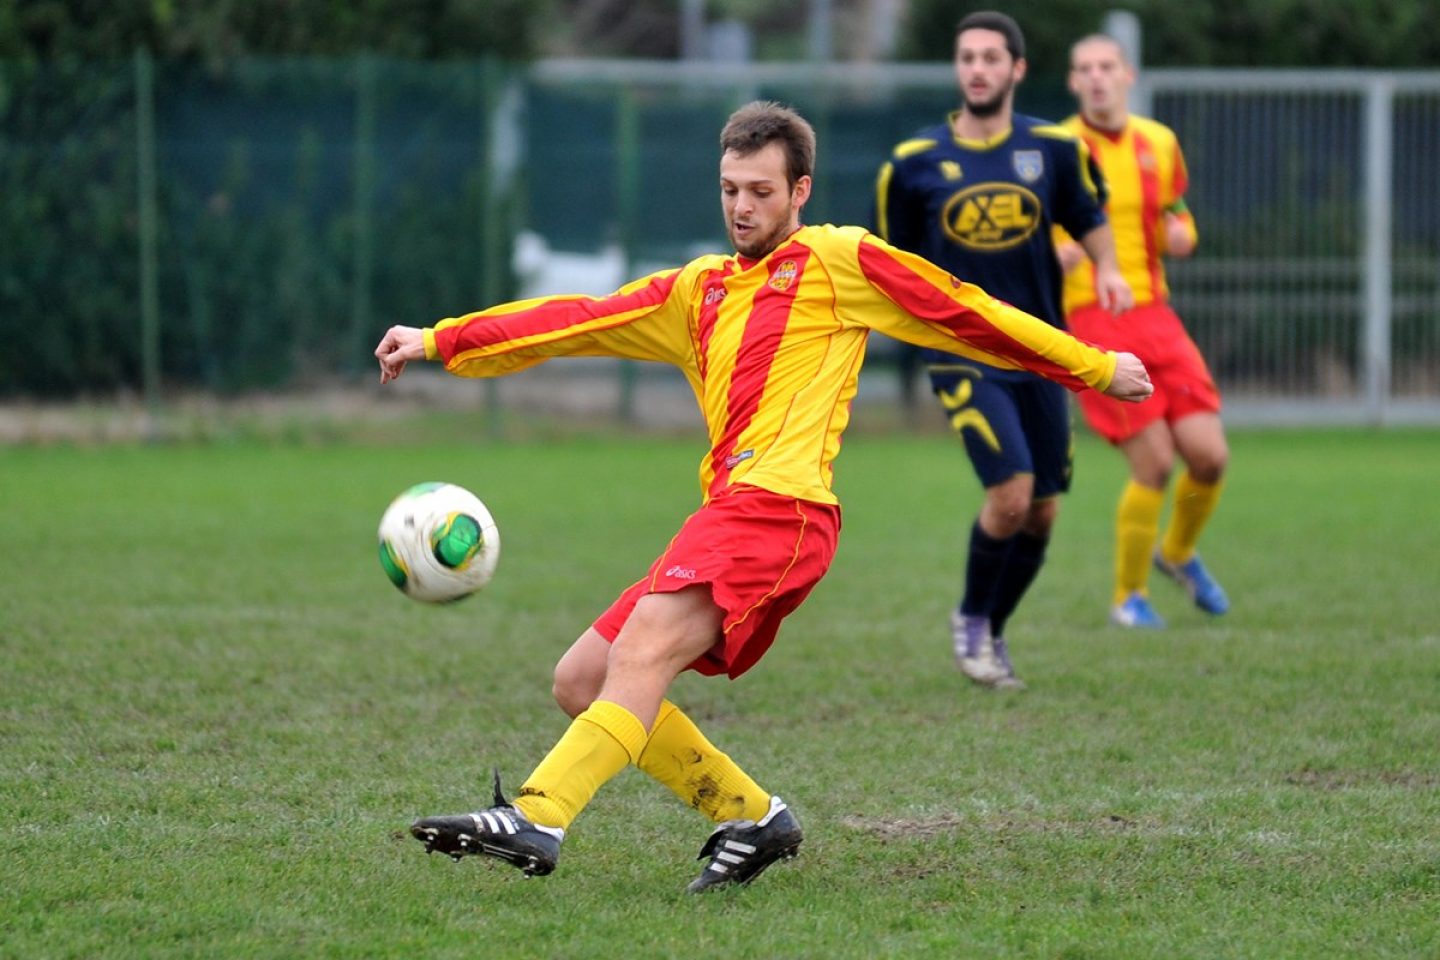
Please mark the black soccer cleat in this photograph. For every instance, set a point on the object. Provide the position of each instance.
(501, 832)
(740, 850)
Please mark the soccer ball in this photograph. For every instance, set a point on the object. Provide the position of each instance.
(438, 542)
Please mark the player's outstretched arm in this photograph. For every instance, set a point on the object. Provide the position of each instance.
(399, 346)
(1131, 381)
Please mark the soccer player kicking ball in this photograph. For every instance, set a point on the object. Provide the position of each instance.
(771, 339)
(1146, 173)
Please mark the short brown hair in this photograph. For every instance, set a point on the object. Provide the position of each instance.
(1001, 24)
(1100, 38)
(763, 122)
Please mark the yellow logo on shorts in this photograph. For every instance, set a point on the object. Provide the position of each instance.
(965, 417)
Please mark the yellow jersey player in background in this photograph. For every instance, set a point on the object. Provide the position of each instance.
(1145, 172)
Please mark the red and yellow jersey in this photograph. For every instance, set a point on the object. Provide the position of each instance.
(772, 347)
(1145, 173)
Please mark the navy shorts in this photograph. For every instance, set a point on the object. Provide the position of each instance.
(1011, 423)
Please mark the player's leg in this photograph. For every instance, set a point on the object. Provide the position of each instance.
(1150, 454)
(983, 413)
(1045, 415)
(581, 672)
(1139, 432)
(663, 634)
(1200, 441)
(1194, 417)
(676, 752)
(1026, 557)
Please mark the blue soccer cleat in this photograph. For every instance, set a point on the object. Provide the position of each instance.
(1197, 583)
(1136, 613)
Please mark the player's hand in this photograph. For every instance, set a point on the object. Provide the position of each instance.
(1179, 239)
(1131, 381)
(399, 346)
(1070, 255)
(1111, 290)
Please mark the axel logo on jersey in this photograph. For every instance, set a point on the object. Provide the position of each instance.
(991, 216)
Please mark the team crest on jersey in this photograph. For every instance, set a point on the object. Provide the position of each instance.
(1029, 165)
(950, 170)
(784, 275)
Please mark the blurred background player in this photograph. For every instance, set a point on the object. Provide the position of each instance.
(1146, 177)
(977, 195)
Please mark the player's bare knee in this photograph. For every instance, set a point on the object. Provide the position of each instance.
(573, 691)
(1008, 510)
(1154, 474)
(1208, 466)
(1041, 518)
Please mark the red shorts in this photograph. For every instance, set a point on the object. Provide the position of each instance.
(1153, 333)
(760, 552)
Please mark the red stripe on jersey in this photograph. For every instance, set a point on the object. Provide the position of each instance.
(710, 303)
(764, 329)
(555, 315)
(916, 295)
(1180, 175)
(1148, 166)
(1093, 146)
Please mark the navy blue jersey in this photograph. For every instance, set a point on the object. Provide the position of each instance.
(983, 209)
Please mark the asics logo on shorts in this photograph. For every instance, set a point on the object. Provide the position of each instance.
(681, 573)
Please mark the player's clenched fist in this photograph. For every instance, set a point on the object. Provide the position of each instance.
(1131, 381)
(399, 346)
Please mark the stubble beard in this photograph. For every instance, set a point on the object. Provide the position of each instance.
(760, 246)
(985, 109)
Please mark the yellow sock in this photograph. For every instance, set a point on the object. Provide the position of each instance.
(1137, 524)
(600, 743)
(679, 756)
(1194, 502)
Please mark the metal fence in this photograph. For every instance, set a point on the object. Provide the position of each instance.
(1316, 291)
(174, 227)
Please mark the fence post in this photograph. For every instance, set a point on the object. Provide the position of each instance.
(627, 192)
(493, 222)
(1376, 269)
(149, 228)
(362, 259)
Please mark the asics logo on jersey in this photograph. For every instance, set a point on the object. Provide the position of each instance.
(714, 295)
(991, 216)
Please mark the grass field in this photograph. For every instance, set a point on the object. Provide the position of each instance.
(218, 717)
